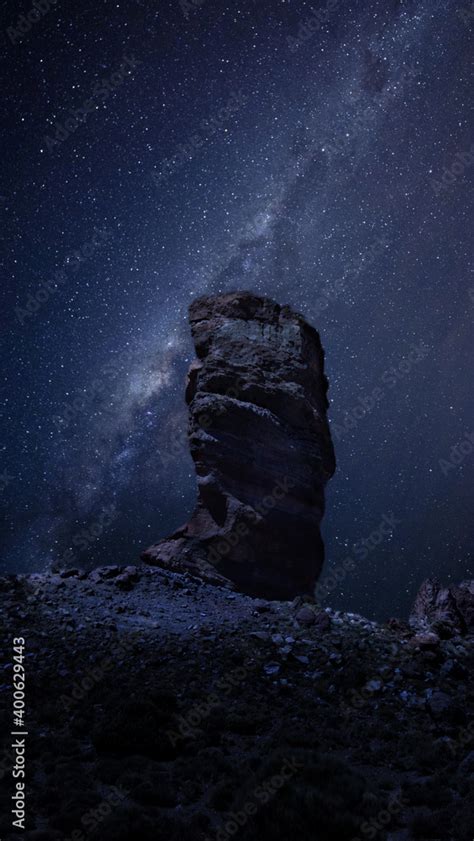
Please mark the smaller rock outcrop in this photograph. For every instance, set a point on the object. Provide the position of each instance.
(450, 609)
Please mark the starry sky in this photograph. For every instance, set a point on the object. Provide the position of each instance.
(318, 153)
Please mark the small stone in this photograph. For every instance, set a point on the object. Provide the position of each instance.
(440, 703)
(302, 659)
(260, 635)
(425, 641)
(453, 669)
(374, 685)
(322, 623)
(306, 616)
(127, 578)
(272, 668)
(103, 573)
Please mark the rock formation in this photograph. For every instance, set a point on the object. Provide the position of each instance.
(261, 447)
(450, 609)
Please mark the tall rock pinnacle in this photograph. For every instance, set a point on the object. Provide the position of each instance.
(261, 446)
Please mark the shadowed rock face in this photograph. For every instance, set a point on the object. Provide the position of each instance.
(261, 446)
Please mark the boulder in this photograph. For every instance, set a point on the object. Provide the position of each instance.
(261, 446)
(444, 607)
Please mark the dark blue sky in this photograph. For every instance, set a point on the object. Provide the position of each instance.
(150, 157)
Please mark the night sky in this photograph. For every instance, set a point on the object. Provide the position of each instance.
(154, 152)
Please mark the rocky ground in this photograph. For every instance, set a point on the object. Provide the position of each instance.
(161, 707)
